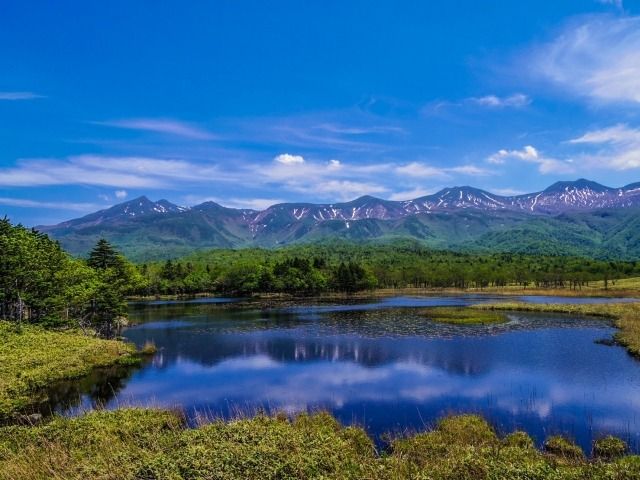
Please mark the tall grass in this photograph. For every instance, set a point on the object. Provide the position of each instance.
(155, 444)
(32, 358)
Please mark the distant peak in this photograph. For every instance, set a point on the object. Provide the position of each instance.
(366, 198)
(581, 183)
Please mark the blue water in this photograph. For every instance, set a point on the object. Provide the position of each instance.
(384, 366)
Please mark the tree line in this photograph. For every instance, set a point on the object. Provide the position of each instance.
(40, 283)
(348, 267)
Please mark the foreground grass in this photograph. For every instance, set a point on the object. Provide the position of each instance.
(32, 358)
(151, 444)
(626, 316)
(463, 316)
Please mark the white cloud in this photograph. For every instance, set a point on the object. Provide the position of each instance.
(347, 189)
(411, 194)
(19, 96)
(530, 154)
(288, 159)
(516, 100)
(472, 170)
(131, 172)
(71, 206)
(507, 192)
(597, 57)
(120, 194)
(618, 147)
(418, 169)
(172, 127)
(617, 134)
(234, 202)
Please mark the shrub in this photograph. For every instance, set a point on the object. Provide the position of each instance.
(609, 447)
(561, 447)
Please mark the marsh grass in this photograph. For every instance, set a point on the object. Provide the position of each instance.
(463, 316)
(156, 444)
(149, 348)
(32, 358)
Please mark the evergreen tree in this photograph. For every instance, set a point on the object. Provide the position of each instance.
(103, 256)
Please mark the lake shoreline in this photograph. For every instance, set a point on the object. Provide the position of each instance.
(148, 443)
(391, 292)
(34, 359)
(625, 316)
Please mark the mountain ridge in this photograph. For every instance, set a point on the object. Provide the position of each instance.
(451, 217)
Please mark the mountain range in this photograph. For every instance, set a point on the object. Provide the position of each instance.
(578, 218)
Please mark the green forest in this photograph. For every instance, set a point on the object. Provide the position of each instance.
(348, 267)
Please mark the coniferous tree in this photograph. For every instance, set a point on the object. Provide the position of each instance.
(103, 256)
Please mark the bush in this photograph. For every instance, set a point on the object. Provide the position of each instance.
(609, 447)
(561, 447)
(518, 440)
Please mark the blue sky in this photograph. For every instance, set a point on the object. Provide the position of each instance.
(250, 103)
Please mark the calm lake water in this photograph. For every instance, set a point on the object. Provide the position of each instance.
(379, 364)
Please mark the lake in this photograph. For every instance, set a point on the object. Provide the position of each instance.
(376, 363)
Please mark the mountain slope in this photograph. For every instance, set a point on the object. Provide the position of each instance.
(568, 217)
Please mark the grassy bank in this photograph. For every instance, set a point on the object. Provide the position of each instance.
(626, 316)
(32, 358)
(150, 444)
(463, 316)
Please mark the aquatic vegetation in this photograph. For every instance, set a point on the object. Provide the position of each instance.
(32, 358)
(463, 316)
(143, 443)
(149, 348)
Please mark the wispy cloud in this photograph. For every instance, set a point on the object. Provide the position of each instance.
(494, 101)
(119, 172)
(317, 180)
(345, 130)
(530, 154)
(597, 57)
(71, 206)
(616, 3)
(19, 96)
(423, 170)
(618, 147)
(166, 126)
(507, 192)
(485, 102)
(234, 202)
(347, 189)
(412, 194)
(418, 169)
